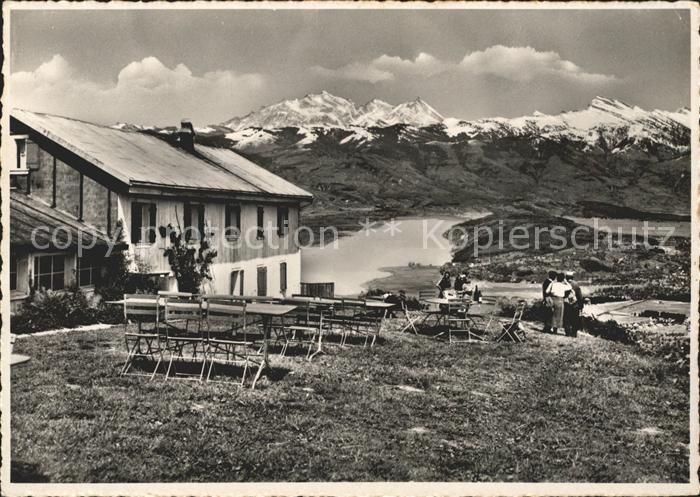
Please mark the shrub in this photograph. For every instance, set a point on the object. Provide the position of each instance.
(190, 265)
(593, 264)
(535, 310)
(116, 279)
(54, 309)
(412, 303)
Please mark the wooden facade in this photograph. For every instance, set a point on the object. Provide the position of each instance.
(229, 249)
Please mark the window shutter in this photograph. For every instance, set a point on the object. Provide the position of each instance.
(187, 221)
(135, 222)
(242, 276)
(283, 277)
(152, 223)
(227, 221)
(262, 281)
(261, 222)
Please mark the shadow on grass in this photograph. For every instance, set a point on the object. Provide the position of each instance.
(22, 472)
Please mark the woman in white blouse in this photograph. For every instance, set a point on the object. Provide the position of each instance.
(558, 289)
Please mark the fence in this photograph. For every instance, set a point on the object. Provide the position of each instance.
(326, 290)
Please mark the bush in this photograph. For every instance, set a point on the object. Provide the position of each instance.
(593, 264)
(535, 310)
(190, 265)
(412, 303)
(116, 279)
(48, 310)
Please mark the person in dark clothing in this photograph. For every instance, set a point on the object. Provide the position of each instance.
(548, 301)
(573, 308)
(460, 281)
(445, 283)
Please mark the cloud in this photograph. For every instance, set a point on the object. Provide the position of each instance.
(526, 64)
(146, 92)
(519, 64)
(383, 68)
(354, 72)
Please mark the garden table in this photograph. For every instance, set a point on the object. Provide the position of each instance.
(445, 305)
(267, 312)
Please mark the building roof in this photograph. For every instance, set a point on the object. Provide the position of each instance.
(27, 214)
(139, 159)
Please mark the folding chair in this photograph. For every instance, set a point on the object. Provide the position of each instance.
(460, 326)
(368, 323)
(482, 315)
(180, 309)
(143, 344)
(411, 316)
(336, 319)
(514, 330)
(229, 345)
(350, 316)
(306, 330)
(427, 309)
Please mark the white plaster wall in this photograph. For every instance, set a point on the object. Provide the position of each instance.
(221, 272)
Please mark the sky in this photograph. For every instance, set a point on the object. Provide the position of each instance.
(158, 66)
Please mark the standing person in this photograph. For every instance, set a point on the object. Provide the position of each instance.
(548, 301)
(558, 290)
(572, 311)
(445, 283)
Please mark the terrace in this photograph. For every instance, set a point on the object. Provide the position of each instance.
(409, 408)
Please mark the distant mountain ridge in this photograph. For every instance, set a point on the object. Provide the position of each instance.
(327, 110)
(409, 157)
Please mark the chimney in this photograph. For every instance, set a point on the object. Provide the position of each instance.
(185, 135)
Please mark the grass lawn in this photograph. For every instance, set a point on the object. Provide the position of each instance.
(552, 409)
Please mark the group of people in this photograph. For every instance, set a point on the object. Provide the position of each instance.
(564, 300)
(461, 286)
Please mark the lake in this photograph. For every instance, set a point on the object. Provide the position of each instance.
(359, 257)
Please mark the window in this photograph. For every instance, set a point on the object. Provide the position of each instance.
(49, 272)
(262, 281)
(233, 222)
(89, 268)
(194, 222)
(283, 277)
(143, 223)
(13, 272)
(21, 148)
(261, 221)
(282, 221)
(237, 282)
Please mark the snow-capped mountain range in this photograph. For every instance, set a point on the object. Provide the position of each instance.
(314, 114)
(329, 111)
(409, 156)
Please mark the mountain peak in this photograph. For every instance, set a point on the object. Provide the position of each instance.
(327, 110)
(604, 103)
